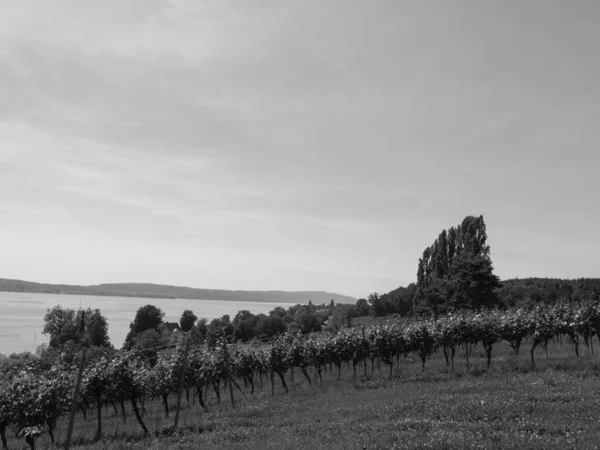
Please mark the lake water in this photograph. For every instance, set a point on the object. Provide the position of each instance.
(22, 314)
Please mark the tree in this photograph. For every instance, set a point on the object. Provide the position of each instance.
(241, 316)
(202, 328)
(148, 317)
(278, 311)
(308, 321)
(362, 307)
(195, 336)
(187, 321)
(147, 344)
(96, 329)
(400, 300)
(342, 316)
(456, 270)
(61, 326)
(219, 328)
(473, 282)
(244, 324)
(379, 306)
(268, 326)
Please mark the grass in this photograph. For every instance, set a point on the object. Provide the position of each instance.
(552, 406)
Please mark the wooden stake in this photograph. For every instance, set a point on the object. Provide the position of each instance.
(229, 374)
(365, 355)
(181, 382)
(77, 387)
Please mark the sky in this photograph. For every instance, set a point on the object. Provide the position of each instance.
(295, 145)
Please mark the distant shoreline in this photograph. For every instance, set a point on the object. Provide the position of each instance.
(150, 297)
(158, 291)
(98, 294)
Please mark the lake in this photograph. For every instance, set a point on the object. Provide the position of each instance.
(22, 314)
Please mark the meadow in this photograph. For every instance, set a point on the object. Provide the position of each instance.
(554, 405)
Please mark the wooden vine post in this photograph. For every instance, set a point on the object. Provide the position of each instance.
(77, 386)
(181, 381)
(365, 355)
(229, 381)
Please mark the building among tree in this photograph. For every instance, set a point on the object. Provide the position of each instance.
(171, 327)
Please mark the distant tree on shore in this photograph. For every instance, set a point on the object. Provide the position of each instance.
(219, 328)
(60, 325)
(187, 321)
(63, 327)
(202, 328)
(148, 317)
(362, 307)
(96, 329)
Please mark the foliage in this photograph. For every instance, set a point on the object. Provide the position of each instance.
(342, 316)
(531, 291)
(362, 307)
(202, 327)
(147, 344)
(64, 328)
(218, 329)
(148, 317)
(187, 321)
(96, 329)
(32, 394)
(61, 325)
(473, 283)
(456, 271)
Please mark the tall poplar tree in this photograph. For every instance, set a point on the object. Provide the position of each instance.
(456, 270)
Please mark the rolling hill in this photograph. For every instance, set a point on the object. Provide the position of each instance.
(166, 291)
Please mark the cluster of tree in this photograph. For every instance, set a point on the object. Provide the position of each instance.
(149, 333)
(68, 334)
(530, 291)
(18, 362)
(456, 271)
(514, 292)
(246, 326)
(399, 301)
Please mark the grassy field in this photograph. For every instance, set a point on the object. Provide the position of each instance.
(555, 405)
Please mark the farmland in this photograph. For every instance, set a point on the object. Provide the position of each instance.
(512, 405)
(504, 379)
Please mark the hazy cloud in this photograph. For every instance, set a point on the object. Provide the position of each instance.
(294, 145)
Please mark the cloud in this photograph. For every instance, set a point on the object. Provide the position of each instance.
(296, 144)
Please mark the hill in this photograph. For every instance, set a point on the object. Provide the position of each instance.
(165, 291)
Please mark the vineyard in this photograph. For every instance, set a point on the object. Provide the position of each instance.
(32, 401)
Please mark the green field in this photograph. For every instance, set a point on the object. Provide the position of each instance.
(554, 405)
